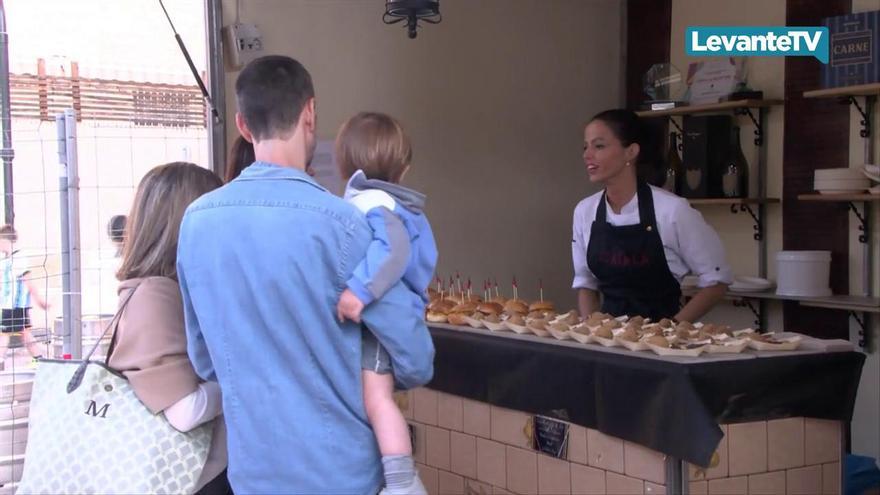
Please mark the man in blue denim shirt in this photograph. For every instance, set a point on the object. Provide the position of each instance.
(261, 263)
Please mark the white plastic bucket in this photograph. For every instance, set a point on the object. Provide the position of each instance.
(803, 273)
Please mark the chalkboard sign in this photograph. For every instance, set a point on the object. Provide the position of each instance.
(551, 436)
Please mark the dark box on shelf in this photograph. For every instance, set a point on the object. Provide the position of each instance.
(854, 50)
(706, 143)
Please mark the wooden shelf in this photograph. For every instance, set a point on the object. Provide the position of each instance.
(859, 90)
(851, 303)
(710, 108)
(844, 302)
(732, 201)
(839, 198)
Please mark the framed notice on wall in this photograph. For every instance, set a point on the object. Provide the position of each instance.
(712, 81)
(551, 436)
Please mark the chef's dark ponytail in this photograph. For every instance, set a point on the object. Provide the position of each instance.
(629, 128)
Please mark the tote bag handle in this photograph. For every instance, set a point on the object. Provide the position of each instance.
(77, 377)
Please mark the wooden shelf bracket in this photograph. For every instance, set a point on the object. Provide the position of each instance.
(866, 119)
(758, 226)
(863, 222)
(759, 129)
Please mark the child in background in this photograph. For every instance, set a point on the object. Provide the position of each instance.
(374, 154)
(17, 291)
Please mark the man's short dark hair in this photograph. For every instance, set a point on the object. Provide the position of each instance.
(272, 92)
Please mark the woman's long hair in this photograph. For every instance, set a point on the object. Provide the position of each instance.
(241, 156)
(150, 246)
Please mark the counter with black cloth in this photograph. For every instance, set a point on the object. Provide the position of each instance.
(671, 405)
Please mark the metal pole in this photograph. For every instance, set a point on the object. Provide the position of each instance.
(61, 129)
(71, 280)
(6, 152)
(73, 226)
(216, 83)
(676, 472)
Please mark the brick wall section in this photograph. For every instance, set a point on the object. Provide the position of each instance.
(464, 447)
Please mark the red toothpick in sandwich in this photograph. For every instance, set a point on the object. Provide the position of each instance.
(541, 288)
(515, 292)
(496, 288)
(458, 281)
(451, 286)
(469, 288)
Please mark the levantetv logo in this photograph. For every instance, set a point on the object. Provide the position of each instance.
(757, 41)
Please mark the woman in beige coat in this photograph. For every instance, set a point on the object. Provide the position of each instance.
(149, 346)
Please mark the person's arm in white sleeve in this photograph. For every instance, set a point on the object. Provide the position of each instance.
(701, 250)
(197, 408)
(585, 283)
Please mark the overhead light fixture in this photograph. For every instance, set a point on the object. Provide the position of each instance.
(412, 11)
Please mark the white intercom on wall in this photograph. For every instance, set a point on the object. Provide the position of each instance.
(243, 44)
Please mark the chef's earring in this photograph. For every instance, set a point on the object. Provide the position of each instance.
(627, 164)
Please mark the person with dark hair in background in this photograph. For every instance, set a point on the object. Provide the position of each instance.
(632, 242)
(116, 232)
(261, 263)
(241, 156)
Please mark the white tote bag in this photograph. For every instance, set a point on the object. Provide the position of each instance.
(89, 433)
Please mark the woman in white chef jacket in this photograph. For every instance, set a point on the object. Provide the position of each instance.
(632, 242)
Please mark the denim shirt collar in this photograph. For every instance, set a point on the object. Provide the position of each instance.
(269, 171)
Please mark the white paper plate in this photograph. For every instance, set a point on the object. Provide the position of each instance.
(606, 342)
(667, 351)
(473, 322)
(873, 177)
(633, 346)
(732, 346)
(581, 337)
(520, 329)
(788, 344)
(495, 327)
(539, 332)
(872, 169)
(743, 332)
(559, 335)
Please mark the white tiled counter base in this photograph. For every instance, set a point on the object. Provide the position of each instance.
(468, 447)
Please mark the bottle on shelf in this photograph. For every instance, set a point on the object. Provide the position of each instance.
(735, 178)
(674, 167)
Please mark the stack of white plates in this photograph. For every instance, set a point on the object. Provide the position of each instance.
(872, 172)
(750, 284)
(840, 181)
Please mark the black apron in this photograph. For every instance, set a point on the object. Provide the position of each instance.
(631, 266)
